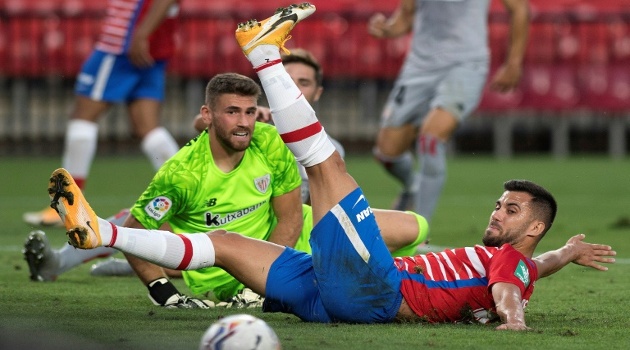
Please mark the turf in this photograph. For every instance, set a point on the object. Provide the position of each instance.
(577, 308)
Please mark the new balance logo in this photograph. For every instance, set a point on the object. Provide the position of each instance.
(364, 214)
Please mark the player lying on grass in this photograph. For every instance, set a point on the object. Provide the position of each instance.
(350, 275)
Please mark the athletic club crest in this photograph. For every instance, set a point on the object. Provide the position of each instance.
(262, 183)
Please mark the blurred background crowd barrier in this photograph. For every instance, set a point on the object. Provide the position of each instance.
(574, 96)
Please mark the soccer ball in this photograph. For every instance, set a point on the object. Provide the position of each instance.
(238, 332)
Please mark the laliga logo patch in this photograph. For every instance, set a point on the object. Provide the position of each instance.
(158, 207)
(262, 183)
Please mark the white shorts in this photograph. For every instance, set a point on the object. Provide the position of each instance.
(456, 88)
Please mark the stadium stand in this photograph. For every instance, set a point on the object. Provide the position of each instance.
(578, 60)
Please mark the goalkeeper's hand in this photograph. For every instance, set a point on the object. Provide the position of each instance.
(162, 292)
(179, 301)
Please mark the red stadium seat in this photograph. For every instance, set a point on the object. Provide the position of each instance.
(80, 34)
(568, 43)
(595, 48)
(619, 37)
(550, 87)
(201, 8)
(542, 43)
(25, 48)
(52, 46)
(4, 47)
(73, 8)
(498, 39)
(196, 37)
(32, 7)
(605, 88)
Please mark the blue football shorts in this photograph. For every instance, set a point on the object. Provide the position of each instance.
(350, 276)
(113, 78)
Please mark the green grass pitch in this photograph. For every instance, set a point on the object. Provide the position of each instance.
(577, 308)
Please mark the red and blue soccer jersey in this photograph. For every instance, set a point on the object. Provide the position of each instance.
(455, 285)
(123, 16)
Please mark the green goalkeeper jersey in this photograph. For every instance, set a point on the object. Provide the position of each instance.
(193, 195)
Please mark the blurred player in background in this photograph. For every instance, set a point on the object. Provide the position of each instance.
(127, 65)
(439, 86)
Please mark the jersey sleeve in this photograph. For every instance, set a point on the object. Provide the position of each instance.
(510, 266)
(282, 163)
(165, 196)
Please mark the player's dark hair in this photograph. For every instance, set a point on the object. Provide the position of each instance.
(544, 203)
(230, 83)
(305, 57)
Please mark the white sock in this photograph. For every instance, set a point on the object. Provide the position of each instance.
(71, 257)
(80, 147)
(264, 55)
(302, 133)
(174, 251)
(159, 145)
(293, 116)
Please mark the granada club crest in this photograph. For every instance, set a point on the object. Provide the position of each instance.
(158, 207)
(262, 183)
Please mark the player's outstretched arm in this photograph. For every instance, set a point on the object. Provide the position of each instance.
(508, 298)
(576, 251)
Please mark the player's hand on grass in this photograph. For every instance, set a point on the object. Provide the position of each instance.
(513, 327)
(180, 301)
(244, 299)
(590, 254)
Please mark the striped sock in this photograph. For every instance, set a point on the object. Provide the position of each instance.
(174, 251)
(293, 116)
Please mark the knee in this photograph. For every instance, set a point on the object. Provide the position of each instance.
(388, 158)
(224, 236)
(389, 149)
(217, 233)
(432, 154)
(393, 142)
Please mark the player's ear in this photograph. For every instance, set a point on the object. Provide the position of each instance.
(318, 93)
(536, 228)
(206, 114)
